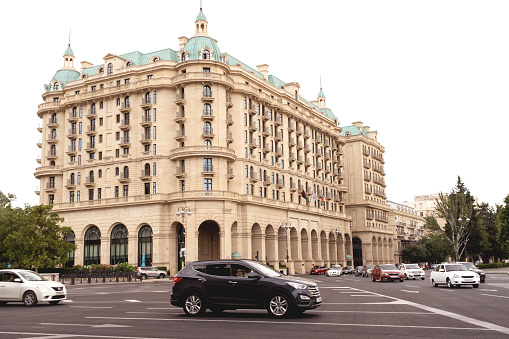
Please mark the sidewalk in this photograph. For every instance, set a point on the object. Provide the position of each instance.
(503, 270)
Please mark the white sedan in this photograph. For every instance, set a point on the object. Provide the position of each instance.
(454, 275)
(333, 272)
(29, 288)
(412, 271)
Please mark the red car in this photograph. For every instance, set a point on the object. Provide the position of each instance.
(318, 270)
(386, 273)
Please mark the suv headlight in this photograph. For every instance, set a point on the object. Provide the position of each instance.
(298, 286)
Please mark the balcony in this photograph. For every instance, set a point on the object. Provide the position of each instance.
(71, 184)
(71, 133)
(208, 99)
(278, 122)
(208, 170)
(125, 107)
(252, 145)
(180, 99)
(146, 103)
(266, 148)
(91, 113)
(306, 134)
(71, 150)
(124, 142)
(229, 137)
(366, 164)
(265, 116)
(266, 131)
(293, 187)
(50, 187)
(180, 117)
(252, 126)
(89, 182)
(278, 136)
(146, 121)
(300, 146)
(278, 153)
(229, 102)
(91, 130)
(72, 117)
(229, 173)
(125, 124)
(291, 142)
(51, 155)
(145, 139)
(253, 178)
(180, 136)
(145, 175)
(252, 111)
(124, 178)
(307, 163)
(208, 115)
(291, 127)
(266, 180)
(299, 131)
(229, 119)
(180, 172)
(280, 183)
(52, 139)
(52, 123)
(90, 147)
(208, 133)
(300, 161)
(307, 149)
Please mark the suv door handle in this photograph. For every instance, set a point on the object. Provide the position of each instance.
(232, 282)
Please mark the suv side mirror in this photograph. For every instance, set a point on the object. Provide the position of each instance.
(253, 275)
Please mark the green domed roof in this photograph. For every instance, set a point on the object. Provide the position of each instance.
(65, 75)
(195, 45)
(68, 51)
(201, 16)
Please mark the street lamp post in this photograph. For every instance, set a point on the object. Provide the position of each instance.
(183, 211)
(286, 226)
(337, 233)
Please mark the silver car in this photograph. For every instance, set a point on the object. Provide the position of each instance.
(149, 272)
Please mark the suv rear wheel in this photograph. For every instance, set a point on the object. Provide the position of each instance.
(194, 305)
(279, 305)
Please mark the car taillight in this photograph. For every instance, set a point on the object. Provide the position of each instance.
(176, 280)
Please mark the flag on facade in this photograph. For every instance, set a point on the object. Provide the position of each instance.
(323, 200)
(305, 196)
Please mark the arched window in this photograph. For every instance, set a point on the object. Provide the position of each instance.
(147, 98)
(183, 56)
(156, 59)
(145, 246)
(118, 246)
(53, 134)
(207, 110)
(72, 180)
(207, 128)
(100, 173)
(54, 118)
(71, 238)
(83, 76)
(118, 101)
(117, 171)
(182, 94)
(92, 246)
(128, 64)
(56, 86)
(52, 163)
(110, 68)
(92, 108)
(207, 93)
(126, 172)
(207, 143)
(182, 130)
(101, 105)
(147, 170)
(101, 70)
(53, 150)
(126, 102)
(91, 176)
(205, 55)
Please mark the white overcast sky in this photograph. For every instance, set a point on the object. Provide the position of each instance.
(431, 77)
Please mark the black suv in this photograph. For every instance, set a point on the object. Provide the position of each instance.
(231, 284)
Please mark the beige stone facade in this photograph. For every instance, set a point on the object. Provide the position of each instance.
(129, 144)
(409, 226)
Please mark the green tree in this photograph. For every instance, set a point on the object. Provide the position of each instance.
(502, 223)
(31, 237)
(6, 199)
(491, 251)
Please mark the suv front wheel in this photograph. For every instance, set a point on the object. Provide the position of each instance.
(279, 305)
(194, 305)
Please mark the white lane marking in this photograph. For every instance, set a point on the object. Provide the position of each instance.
(133, 301)
(86, 325)
(275, 322)
(67, 301)
(492, 295)
(413, 286)
(376, 312)
(452, 315)
(367, 295)
(92, 306)
(490, 290)
(67, 335)
(409, 291)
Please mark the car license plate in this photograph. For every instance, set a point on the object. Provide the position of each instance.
(59, 292)
(319, 299)
(468, 280)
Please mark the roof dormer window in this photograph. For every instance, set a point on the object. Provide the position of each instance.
(205, 55)
(183, 56)
(83, 76)
(110, 68)
(156, 59)
(56, 86)
(128, 64)
(101, 70)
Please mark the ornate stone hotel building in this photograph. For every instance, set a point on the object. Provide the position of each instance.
(189, 154)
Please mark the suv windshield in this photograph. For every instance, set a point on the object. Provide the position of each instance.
(31, 276)
(267, 271)
(412, 266)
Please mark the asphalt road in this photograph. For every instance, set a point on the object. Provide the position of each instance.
(353, 307)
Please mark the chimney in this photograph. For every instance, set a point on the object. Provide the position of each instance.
(182, 41)
(264, 69)
(85, 64)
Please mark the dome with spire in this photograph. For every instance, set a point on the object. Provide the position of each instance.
(198, 45)
(69, 51)
(201, 16)
(321, 94)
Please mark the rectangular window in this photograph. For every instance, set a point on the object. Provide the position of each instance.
(73, 158)
(100, 155)
(126, 150)
(77, 92)
(126, 81)
(150, 76)
(100, 138)
(117, 135)
(116, 191)
(207, 165)
(51, 199)
(245, 153)
(154, 149)
(94, 88)
(154, 132)
(91, 194)
(247, 188)
(100, 121)
(261, 192)
(51, 182)
(118, 82)
(71, 196)
(79, 160)
(182, 185)
(207, 185)
(126, 190)
(77, 195)
(101, 86)
(118, 118)
(147, 188)
(154, 112)
(81, 111)
(99, 191)
(117, 153)
(79, 130)
(91, 156)
(153, 188)
(147, 148)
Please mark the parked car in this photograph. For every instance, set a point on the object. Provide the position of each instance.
(145, 272)
(453, 275)
(366, 270)
(318, 270)
(29, 287)
(472, 267)
(386, 273)
(219, 285)
(412, 271)
(333, 272)
(433, 266)
(347, 270)
(358, 271)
